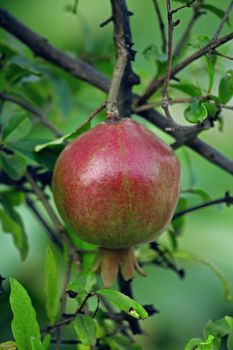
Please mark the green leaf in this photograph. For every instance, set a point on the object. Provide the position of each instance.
(48, 156)
(230, 341)
(192, 344)
(201, 42)
(51, 286)
(124, 303)
(187, 88)
(16, 127)
(18, 69)
(205, 197)
(211, 61)
(178, 224)
(14, 165)
(225, 89)
(85, 329)
(7, 50)
(196, 112)
(207, 345)
(24, 324)
(13, 197)
(8, 345)
(152, 54)
(215, 269)
(46, 341)
(68, 137)
(36, 344)
(12, 223)
(212, 109)
(219, 328)
(216, 11)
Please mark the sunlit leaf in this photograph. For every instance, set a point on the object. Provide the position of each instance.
(24, 324)
(188, 88)
(51, 286)
(85, 329)
(124, 303)
(211, 61)
(68, 137)
(196, 112)
(225, 89)
(17, 127)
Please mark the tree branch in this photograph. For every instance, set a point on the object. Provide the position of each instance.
(30, 108)
(165, 101)
(158, 82)
(227, 199)
(224, 19)
(41, 219)
(62, 60)
(125, 288)
(41, 196)
(183, 40)
(120, 97)
(161, 25)
(40, 47)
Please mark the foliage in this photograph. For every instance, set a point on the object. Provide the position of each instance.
(39, 105)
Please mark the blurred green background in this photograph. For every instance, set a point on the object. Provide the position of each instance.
(185, 306)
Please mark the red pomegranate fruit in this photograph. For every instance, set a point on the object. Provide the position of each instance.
(117, 186)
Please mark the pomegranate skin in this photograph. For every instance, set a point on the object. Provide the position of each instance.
(117, 185)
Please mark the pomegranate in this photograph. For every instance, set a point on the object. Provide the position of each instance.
(117, 186)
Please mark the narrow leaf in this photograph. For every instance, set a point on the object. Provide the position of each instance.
(187, 88)
(225, 89)
(192, 344)
(24, 324)
(12, 223)
(196, 112)
(124, 303)
(51, 286)
(17, 127)
(68, 137)
(211, 61)
(85, 329)
(14, 165)
(36, 344)
(46, 341)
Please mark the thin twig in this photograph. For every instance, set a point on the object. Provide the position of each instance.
(227, 199)
(41, 196)
(183, 40)
(165, 103)
(64, 298)
(32, 109)
(223, 20)
(156, 83)
(223, 55)
(161, 25)
(41, 219)
(188, 4)
(33, 41)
